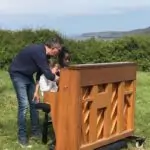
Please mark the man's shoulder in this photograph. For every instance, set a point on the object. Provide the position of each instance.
(35, 46)
(34, 50)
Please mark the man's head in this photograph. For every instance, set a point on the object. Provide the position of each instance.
(53, 46)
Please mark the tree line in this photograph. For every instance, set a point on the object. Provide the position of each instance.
(131, 48)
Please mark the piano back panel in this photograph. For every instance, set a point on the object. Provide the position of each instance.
(94, 105)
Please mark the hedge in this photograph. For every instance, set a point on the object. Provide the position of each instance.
(133, 48)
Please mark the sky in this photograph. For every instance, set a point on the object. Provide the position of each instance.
(73, 17)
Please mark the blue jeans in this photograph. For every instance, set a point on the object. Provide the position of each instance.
(24, 90)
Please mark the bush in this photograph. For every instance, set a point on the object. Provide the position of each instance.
(135, 48)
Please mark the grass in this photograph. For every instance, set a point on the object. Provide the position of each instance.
(8, 112)
(8, 117)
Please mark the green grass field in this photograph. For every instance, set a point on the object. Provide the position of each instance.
(8, 111)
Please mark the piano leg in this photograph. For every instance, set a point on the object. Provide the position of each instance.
(46, 124)
(45, 129)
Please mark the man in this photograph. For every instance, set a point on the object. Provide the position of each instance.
(32, 59)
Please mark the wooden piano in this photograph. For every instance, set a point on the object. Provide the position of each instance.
(94, 106)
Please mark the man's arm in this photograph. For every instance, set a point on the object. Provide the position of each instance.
(41, 61)
(36, 95)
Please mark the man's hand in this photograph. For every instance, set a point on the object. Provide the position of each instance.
(36, 97)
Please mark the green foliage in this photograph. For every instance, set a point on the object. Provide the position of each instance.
(8, 114)
(135, 48)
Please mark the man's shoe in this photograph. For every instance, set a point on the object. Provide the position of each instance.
(24, 143)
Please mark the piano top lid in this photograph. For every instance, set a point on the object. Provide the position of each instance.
(101, 65)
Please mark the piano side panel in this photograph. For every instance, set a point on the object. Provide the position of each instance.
(66, 109)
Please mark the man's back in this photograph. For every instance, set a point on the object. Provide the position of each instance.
(25, 62)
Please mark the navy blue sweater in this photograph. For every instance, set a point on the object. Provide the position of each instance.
(32, 59)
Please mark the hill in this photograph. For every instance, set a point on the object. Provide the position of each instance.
(111, 34)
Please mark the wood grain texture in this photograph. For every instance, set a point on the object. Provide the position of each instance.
(94, 106)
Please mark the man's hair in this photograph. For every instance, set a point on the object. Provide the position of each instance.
(55, 42)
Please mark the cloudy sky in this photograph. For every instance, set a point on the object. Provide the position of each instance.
(75, 16)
